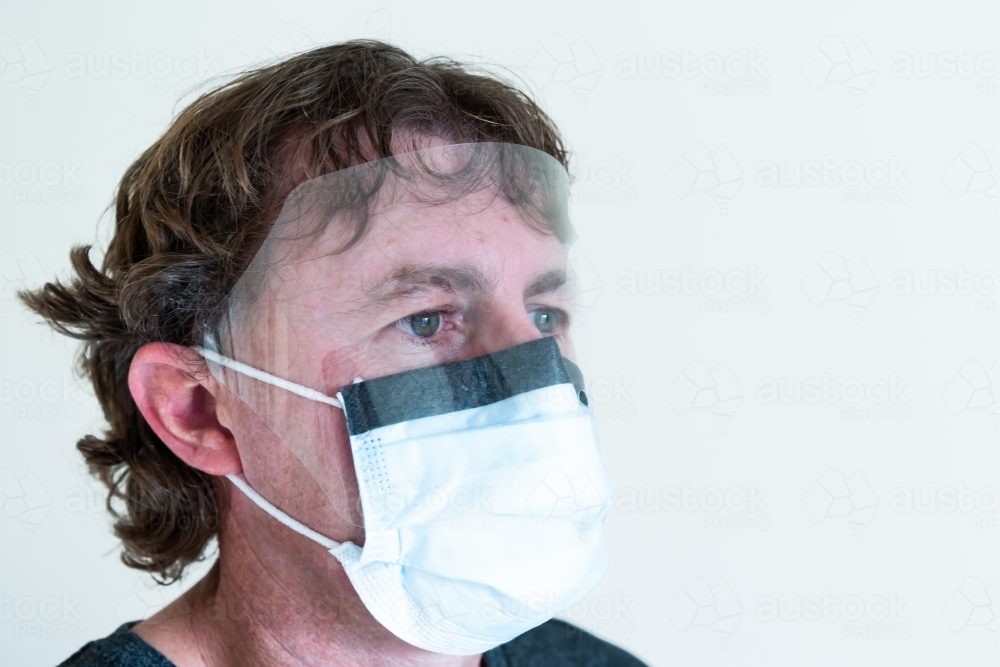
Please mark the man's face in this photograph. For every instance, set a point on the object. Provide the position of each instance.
(424, 286)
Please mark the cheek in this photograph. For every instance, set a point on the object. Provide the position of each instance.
(262, 452)
(340, 366)
(297, 454)
(327, 459)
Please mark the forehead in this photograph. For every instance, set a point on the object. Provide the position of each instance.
(480, 231)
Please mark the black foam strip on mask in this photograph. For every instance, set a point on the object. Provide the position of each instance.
(458, 385)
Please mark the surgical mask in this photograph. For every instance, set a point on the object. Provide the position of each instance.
(483, 494)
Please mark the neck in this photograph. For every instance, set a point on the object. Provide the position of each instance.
(276, 598)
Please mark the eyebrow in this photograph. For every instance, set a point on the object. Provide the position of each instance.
(410, 280)
(547, 282)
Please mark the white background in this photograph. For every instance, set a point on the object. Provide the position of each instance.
(880, 507)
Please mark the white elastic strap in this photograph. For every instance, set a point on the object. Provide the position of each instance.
(250, 371)
(261, 502)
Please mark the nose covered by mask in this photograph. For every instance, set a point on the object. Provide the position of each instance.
(482, 489)
(483, 494)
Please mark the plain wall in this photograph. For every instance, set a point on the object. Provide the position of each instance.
(753, 525)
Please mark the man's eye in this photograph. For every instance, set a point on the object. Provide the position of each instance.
(424, 325)
(546, 319)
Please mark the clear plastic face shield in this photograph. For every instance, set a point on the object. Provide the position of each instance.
(409, 395)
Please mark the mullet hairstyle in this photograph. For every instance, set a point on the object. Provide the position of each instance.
(190, 214)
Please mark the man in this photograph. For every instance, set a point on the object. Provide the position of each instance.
(337, 295)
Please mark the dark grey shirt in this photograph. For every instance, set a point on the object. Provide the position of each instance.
(552, 644)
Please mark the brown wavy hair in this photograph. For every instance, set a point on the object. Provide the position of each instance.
(189, 215)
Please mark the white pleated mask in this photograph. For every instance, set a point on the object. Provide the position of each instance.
(483, 493)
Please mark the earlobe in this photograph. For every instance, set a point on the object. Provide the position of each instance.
(180, 405)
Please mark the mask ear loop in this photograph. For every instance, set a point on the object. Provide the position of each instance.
(261, 502)
(250, 371)
(238, 479)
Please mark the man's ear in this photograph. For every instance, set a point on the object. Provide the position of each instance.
(179, 404)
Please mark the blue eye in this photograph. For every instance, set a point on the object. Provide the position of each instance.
(546, 319)
(424, 325)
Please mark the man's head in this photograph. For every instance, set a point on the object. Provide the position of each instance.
(397, 288)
